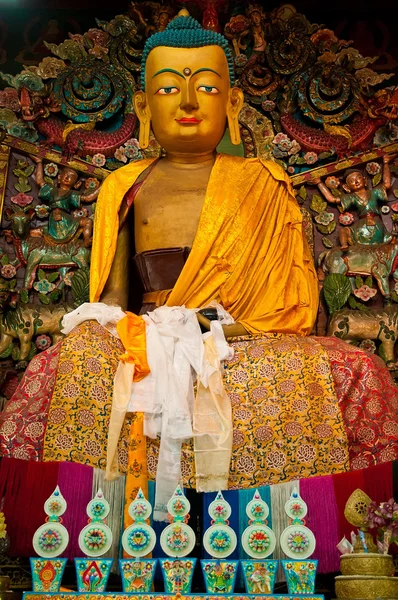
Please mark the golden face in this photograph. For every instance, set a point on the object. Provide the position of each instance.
(188, 94)
(68, 177)
(355, 181)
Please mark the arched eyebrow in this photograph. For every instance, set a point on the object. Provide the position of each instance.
(169, 71)
(206, 69)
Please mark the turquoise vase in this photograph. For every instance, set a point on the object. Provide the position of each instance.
(92, 574)
(219, 575)
(47, 573)
(177, 574)
(259, 575)
(300, 575)
(137, 574)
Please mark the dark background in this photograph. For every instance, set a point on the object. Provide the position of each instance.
(25, 23)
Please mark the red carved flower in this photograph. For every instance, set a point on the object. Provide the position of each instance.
(91, 183)
(310, 158)
(8, 271)
(346, 218)
(98, 160)
(98, 36)
(43, 342)
(22, 199)
(332, 182)
(365, 293)
(373, 168)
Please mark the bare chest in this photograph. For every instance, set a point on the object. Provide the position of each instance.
(167, 208)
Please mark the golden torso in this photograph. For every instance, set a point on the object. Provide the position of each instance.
(168, 205)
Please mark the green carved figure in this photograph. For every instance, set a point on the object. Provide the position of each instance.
(369, 229)
(36, 251)
(62, 199)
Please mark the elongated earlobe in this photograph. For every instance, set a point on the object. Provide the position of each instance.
(144, 116)
(235, 103)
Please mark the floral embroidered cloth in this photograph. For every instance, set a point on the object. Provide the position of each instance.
(285, 424)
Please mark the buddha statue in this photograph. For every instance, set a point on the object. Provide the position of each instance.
(206, 227)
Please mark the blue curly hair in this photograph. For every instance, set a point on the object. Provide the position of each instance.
(186, 32)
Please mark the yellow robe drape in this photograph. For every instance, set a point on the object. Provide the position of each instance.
(250, 252)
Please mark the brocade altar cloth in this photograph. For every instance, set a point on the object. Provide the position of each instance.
(285, 426)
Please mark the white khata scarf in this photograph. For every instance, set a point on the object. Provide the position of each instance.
(178, 356)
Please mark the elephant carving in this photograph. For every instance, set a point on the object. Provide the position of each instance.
(373, 324)
(26, 321)
(380, 261)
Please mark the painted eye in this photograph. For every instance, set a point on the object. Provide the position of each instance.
(209, 89)
(165, 91)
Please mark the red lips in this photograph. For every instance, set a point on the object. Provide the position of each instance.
(188, 120)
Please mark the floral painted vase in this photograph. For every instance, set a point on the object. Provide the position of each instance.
(177, 574)
(219, 575)
(300, 575)
(259, 575)
(137, 574)
(92, 574)
(47, 573)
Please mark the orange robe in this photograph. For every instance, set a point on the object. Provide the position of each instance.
(249, 253)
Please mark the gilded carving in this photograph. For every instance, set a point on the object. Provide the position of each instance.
(366, 587)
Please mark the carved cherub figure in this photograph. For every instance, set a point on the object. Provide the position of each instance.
(370, 228)
(161, 16)
(242, 29)
(62, 199)
(257, 16)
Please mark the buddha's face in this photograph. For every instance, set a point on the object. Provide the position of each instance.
(188, 94)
